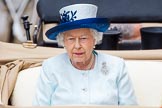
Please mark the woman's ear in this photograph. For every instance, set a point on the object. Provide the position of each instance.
(95, 42)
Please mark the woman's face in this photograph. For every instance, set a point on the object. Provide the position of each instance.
(79, 44)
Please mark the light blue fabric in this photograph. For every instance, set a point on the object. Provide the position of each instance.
(62, 84)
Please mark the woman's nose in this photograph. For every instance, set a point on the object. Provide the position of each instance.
(77, 43)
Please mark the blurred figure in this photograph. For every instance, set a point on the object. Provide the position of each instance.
(128, 31)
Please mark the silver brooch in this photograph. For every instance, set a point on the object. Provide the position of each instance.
(104, 68)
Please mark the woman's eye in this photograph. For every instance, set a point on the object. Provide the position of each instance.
(83, 38)
(70, 39)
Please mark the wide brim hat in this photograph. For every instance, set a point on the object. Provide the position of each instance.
(78, 16)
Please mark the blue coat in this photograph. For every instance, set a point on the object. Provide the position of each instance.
(108, 83)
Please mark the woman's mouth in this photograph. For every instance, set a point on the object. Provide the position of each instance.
(78, 54)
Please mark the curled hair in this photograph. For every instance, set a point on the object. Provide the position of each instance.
(97, 36)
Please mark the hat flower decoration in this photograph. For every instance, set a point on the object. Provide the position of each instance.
(78, 16)
(66, 17)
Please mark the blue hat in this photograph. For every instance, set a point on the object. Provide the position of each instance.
(78, 16)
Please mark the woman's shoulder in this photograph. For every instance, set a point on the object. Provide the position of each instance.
(109, 57)
(113, 62)
(55, 60)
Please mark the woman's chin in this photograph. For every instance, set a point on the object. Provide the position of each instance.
(78, 61)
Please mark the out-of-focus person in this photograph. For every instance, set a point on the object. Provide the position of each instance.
(128, 31)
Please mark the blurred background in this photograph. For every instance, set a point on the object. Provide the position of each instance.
(11, 25)
(125, 37)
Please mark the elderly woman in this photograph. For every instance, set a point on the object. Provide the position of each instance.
(82, 76)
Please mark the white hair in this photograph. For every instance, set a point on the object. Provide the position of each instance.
(97, 36)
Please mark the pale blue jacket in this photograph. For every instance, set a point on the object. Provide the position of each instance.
(62, 84)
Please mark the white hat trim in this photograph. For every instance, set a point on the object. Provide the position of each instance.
(78, 11)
